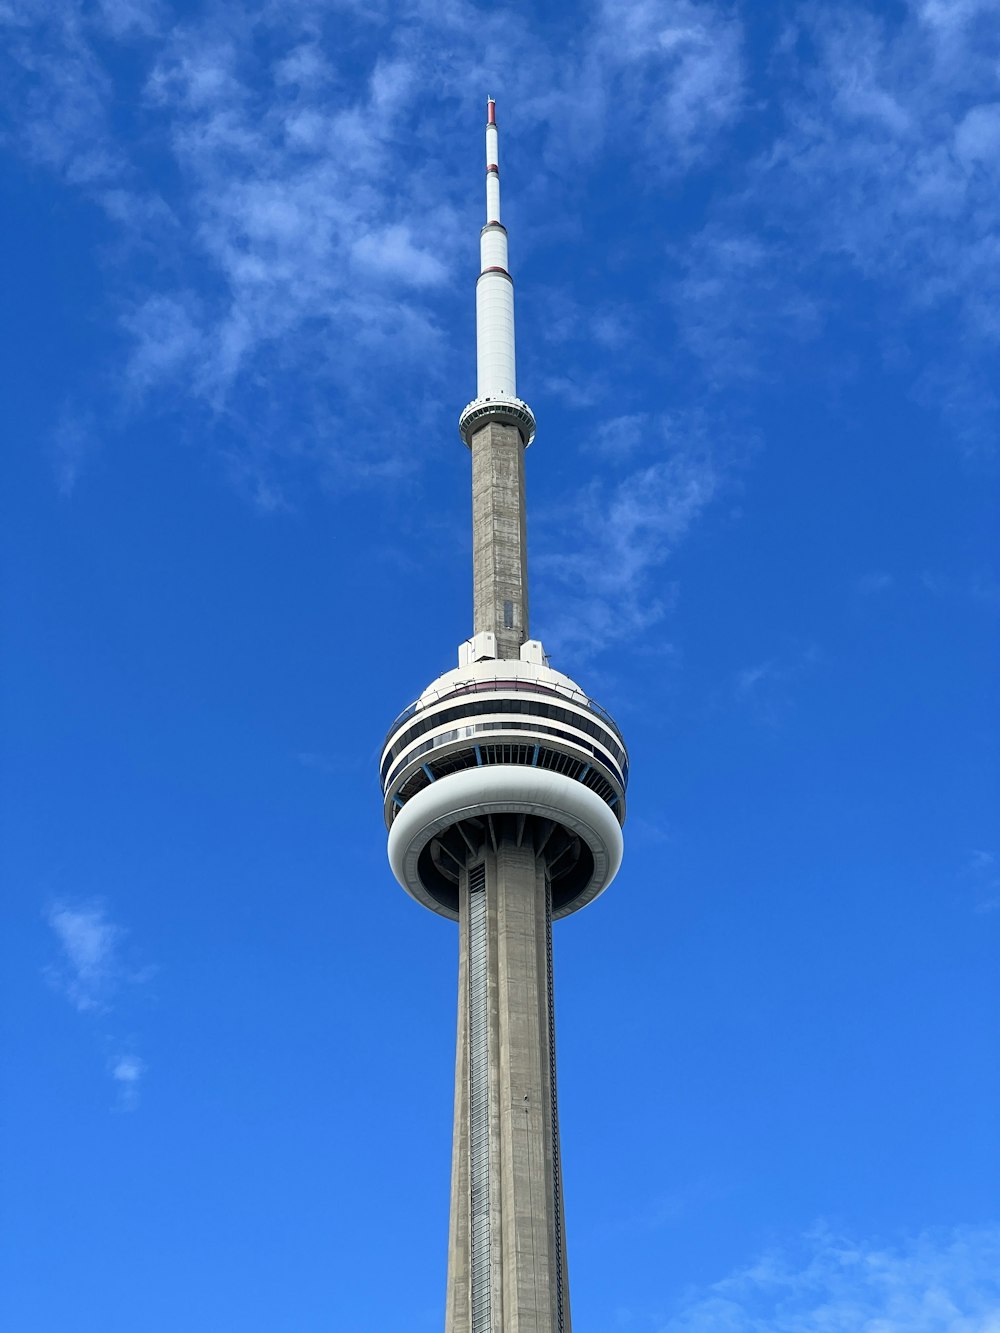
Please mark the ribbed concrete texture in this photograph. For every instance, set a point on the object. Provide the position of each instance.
(499, 537)
(506, 1271)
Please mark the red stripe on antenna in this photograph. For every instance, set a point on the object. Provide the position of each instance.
(491, 111)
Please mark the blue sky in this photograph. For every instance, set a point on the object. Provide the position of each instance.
(756, 252)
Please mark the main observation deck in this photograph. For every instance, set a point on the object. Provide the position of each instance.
(501, 743)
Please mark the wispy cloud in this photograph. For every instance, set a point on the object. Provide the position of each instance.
(73, 441)
(127, 1071)
(874, 582)
(601, 571)
(92, 970)
(884, 173)
(267, 177)
(896, 140)
(980, 587)
(767, 688)
(944, 1281)
(675, 68)
(982, 871)
(738, 302)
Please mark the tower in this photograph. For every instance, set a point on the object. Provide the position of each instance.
(504, 790)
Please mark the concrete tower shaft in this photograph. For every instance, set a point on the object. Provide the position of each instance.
(499, 538)
(504, 796)
(507, 1270)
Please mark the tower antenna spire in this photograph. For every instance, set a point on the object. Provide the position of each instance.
(496, 377)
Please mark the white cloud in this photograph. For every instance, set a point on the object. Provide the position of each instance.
(132, 18)
(621, 437)
(92, 971)
(392, 254)
(91, 966)
(127, 1071)
(874, 137)
(937, 1282)
(977, 137)
(166, 340)
(304, 68)
(677, 67)
(63, 90)
(951, 23)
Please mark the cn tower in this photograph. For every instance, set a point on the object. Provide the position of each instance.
(504, 790)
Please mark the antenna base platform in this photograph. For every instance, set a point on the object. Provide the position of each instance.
(508, 411)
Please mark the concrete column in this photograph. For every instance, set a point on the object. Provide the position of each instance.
(529, 1290)
(457, 1308)
(499, 537)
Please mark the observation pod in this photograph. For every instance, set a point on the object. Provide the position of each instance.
(504, 748)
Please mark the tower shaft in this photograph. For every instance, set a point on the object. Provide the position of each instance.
(507, 1251)
(499, 537)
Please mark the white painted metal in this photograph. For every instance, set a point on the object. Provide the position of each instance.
(475, 792)
(496, 377)
(492, 197)
(484, 646)
(496, 380)
(493, 248)
(453, 681)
